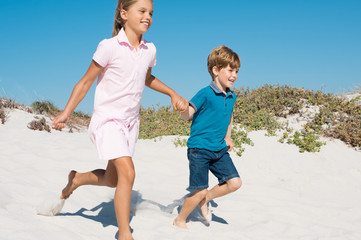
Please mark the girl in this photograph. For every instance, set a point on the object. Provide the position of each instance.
(123, 65)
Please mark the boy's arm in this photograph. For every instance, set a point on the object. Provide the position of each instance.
(188, 114)
(178, 102)
(228, 139)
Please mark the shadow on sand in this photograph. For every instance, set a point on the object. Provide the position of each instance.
(106, 215)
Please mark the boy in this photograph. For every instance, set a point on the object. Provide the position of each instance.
(210, 139)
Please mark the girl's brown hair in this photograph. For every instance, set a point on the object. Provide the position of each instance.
(221, 57)
(118, 21)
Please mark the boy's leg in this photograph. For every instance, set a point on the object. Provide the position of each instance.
(224, 169)
(99, 177)
(218, 191)
(189, 205)
(198, 179)
(122, 199)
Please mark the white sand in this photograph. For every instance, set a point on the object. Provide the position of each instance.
(285, 194)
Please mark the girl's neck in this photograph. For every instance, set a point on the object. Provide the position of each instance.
(133, 38)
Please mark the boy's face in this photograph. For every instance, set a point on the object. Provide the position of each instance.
(225, 77)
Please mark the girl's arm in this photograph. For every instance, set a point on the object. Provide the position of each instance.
(228, 139)
(178, 102)
(79, 92)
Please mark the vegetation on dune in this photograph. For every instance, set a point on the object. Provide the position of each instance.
(6, 104)
(39, 124)
(77, 120)
(162, 121)
(264, 108)
(337, 117)
(44, 107)
(2, 113)
(324, 114)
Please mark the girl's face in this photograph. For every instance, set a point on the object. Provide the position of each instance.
(225, 77)
(139, 16)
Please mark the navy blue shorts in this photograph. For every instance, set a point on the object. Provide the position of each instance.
(201, 161)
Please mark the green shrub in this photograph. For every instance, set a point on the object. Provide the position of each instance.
(44, 107)
(240, 137)
(254, 110)
(163, 121)
(339, 119)
(306, 140)
(259, 109)
(81, 114)
(178, 142)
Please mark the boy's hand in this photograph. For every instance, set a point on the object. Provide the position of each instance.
(229, 143)
(60, 121)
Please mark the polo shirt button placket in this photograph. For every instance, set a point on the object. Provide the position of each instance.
(137, 59)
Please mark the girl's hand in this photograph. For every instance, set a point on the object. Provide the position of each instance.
(60, 121)
(180, 104)
(229, 143)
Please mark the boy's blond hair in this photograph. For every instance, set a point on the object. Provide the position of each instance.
(221, 57)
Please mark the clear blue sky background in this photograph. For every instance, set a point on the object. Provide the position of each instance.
(47, 45)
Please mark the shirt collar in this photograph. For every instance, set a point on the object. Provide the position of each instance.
(216, 89)
(123, 39)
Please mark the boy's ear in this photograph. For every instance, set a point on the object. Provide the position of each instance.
(215, 70)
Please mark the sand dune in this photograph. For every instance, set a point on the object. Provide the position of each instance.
(285, 194)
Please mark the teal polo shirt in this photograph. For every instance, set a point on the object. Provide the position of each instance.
(211, 118)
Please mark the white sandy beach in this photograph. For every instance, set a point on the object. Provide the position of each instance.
(285, 194)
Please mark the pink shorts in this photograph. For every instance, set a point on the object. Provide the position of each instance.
(114, 138)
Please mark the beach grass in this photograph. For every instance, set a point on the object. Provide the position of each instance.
(265, 108)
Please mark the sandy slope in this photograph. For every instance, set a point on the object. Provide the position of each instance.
(285, 194)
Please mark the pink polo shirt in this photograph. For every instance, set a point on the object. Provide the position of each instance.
(121, 83)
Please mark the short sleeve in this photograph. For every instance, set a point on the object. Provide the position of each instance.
(103, 53)
(198, 100)
(154, 56)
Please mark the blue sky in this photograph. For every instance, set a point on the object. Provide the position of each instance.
(46, 45)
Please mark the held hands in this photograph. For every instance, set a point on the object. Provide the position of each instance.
(179, 103)
(60, 121)
(229, 143)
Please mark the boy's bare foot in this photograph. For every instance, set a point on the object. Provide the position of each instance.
(204, 210)
(180, 224)
(70, 187)
(126, 237)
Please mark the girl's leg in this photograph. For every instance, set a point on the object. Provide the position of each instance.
(98, 177)
(189, 205)
(122, 199)
(219, 191)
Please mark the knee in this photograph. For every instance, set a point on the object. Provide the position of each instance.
(128, 175)
(234, 184)
(112, 183)
(201, 194)
(125, 170)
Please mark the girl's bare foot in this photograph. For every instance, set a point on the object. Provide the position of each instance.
(180, 224)
(70, 187)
